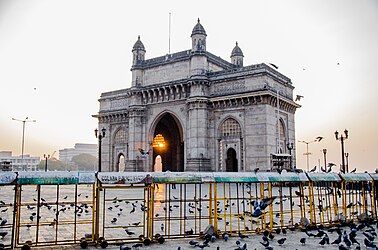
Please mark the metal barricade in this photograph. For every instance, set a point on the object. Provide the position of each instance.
(123, 207)
(54, 208)
(183, 204)
(374, 176)
(325, 199)
(7, 209)
(358, 196)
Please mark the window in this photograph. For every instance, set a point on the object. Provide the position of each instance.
(120, 136)
(230, 128)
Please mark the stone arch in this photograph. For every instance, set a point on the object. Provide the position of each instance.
(230, 145)
(281, 129)
(119, 148)
(168, 129)
(231, 161)
(121, 163)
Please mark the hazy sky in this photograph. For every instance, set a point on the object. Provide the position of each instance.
(57, 57)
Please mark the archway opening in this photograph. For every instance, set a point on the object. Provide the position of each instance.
(158, 164)
(231, 161)
(121, 163)
(168, 144)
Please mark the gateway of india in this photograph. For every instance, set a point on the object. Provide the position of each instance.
(194, 111)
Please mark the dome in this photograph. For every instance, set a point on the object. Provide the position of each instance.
(237, 51)
(198, 29)
(138, 45)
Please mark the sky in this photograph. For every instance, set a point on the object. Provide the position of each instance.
(58, 56)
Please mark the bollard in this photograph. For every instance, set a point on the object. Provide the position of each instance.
(146, 241)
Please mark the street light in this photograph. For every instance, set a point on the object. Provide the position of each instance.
(99, 136)
(23, 137)
(46, 157)
(290, 147)
(342, 138)
(307, 154)
(325, 157)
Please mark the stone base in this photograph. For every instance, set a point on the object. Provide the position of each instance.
(198, 165)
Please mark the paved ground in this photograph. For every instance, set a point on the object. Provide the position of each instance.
(253, 242)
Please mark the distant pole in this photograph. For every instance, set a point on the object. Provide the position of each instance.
(347, 162)
(23, 138)
(46, 158)
(169, 35)
(307, 154)
(342, 138)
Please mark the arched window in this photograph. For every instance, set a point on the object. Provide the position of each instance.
(282, 136)
(230, 128)
(120, 137)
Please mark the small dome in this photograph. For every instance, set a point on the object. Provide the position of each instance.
(198, 29)
(237, 51)
(138, 45)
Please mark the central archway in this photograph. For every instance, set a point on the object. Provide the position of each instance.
(168, 143)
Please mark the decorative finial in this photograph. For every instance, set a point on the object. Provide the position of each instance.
(236, 43)
(138, 37)
(198, 20)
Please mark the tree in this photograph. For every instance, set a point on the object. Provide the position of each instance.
(85, 162)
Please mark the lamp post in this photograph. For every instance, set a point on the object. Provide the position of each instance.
(23, 137)
(290, 147)
(46, 157)
(307, 154)
(342, 138)
(325, 157)
(99, 136)
(347, 162)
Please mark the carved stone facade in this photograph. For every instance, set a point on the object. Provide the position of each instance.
(194, 111)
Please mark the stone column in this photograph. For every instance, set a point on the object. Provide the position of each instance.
(136, 139)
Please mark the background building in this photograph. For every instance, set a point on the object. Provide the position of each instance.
(65, 155)
(19, 163)
(194, 111)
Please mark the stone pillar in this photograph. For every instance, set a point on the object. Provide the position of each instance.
(136, 140)
(197, 132)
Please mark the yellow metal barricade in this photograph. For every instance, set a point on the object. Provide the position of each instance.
(55, 211)
(359, 201)
(123, 207)
(8, 196)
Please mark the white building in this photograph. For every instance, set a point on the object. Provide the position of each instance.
(67, 154)
(19, 163)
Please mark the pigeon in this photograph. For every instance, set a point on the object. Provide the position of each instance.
(243, 236)
(337, 241)
(225, 236)
(313, 170)
(265, 243)
(303, 241)
(193, 242)
(281, 241)
(298, 98)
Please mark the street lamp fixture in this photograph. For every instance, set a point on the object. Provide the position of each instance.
(290, 146)
(23, 138)
(307, 154)
(99, 136)
(342, 138)
(46, 158)
(325, 157)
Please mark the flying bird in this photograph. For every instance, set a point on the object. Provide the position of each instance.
(319, 138)
(144, 152)
(298, 98)
(275, 66)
